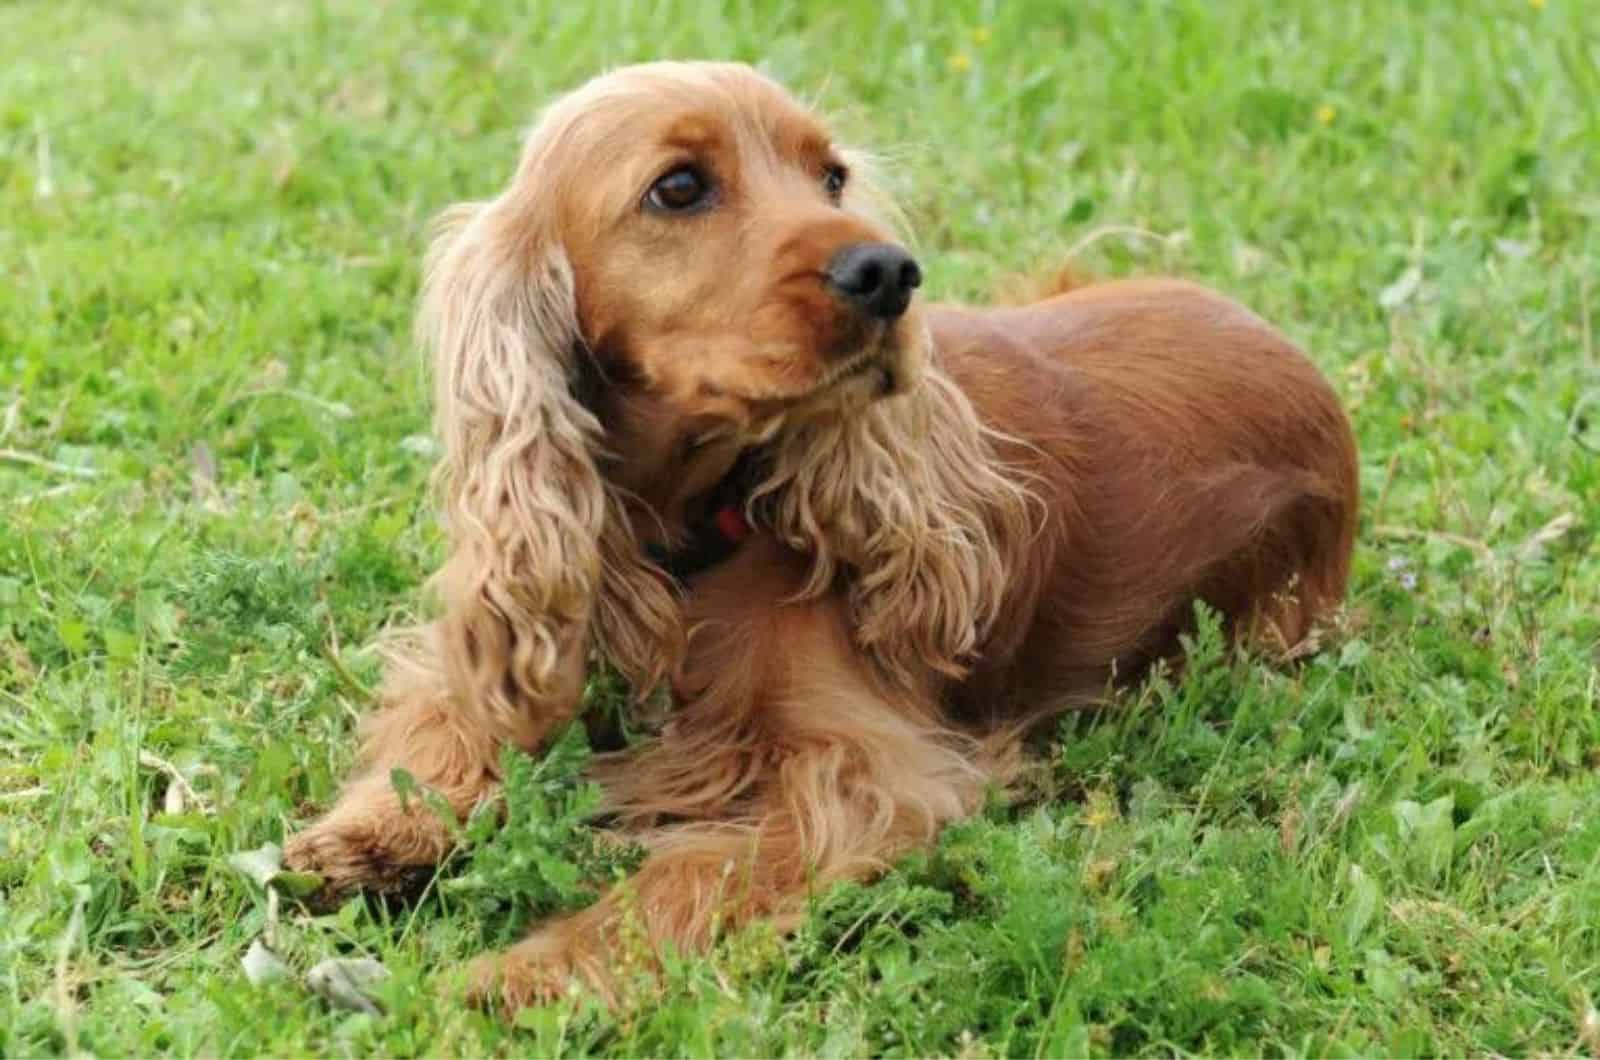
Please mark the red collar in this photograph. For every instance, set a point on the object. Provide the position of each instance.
(731, 523)
(719, 533)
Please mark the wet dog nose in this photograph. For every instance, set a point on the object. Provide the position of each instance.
(876, 278)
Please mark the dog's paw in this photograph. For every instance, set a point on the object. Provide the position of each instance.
(538, 971)
(505, 983)
(386, 856)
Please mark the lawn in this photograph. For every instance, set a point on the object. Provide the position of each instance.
(214, 449)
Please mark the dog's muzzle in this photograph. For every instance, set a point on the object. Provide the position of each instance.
(876, 279)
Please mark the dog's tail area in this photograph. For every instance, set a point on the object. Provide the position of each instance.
(1269, 548)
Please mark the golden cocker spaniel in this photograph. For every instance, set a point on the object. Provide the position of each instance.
(696, 423)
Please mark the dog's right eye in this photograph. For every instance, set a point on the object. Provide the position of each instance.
(683, 190)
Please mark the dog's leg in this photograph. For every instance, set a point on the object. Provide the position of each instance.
(372, 839)
(797, 766)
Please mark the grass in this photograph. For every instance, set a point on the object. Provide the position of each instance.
(213, 453)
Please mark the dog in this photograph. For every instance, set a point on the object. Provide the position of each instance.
(697, 424)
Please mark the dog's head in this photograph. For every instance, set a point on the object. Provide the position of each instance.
(705, 244)
(720, 245)
(684, 264)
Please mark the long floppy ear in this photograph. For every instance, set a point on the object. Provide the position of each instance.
(905, 500)
(524, 503)
(542, 553)
(908, 503)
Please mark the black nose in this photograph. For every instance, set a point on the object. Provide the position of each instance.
(877, 278)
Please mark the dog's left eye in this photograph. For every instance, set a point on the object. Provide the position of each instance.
(683, 190)
(833, 180)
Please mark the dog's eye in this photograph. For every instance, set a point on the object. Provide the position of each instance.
(680, 191)
(833, 180)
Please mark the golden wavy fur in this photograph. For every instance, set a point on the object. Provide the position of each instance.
(961, 520)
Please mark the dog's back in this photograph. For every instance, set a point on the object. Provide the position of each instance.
(1185, 451)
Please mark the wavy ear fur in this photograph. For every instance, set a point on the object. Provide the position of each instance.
(539, 545)
(906, 501)
(523, 501)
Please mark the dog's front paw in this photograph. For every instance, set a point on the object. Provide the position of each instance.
(537, 971)
(350, 858)
(369, 842)
(506, 983)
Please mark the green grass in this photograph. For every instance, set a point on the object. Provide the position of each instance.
(212, 496)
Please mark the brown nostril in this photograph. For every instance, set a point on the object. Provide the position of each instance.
(877, 278)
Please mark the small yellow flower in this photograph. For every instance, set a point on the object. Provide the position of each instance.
(981, 35)
(1099, 871)
(1100, 811)
(960, 62)
(1537, 5)
(1326, 113)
